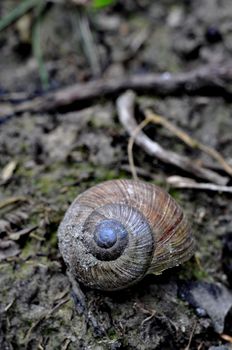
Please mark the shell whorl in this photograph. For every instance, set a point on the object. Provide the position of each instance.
(118, 231)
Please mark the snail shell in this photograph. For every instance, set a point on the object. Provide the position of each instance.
(115, 233)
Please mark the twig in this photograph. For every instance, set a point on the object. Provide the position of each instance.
(149, 317)
(66, 344)
(188, 140)
(226, 337)
(183, 182)
(140, 171)
(9, 305)
(150, 312)
(209, 80)
(12, 200)
(191, 336)
(125, 107)
(15, 236)
(130, 146)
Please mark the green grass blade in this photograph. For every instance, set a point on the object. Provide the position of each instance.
(97, 4)
(36, 44)
(16, 13)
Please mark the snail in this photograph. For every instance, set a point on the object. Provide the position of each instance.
(116, 232)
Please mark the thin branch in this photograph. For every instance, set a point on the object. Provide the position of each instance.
(130, 147)
(11, 201)
(191, 336)
(183, 182)
(209, 80)
(226, 337)
(188, 140)
(125, 107)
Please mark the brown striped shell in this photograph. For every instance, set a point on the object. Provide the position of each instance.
(115, 233)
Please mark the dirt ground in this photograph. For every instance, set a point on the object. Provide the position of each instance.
(49, 157)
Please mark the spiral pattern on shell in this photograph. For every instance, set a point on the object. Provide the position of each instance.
(116, 232)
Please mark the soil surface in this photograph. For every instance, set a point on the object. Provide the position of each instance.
(48, 158)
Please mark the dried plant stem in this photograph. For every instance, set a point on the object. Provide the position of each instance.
(188, 140)
(125, 106)
(191, 336)
(226, 337)
(130, 146)
(12, 200)
(208, 80)
(183, 182)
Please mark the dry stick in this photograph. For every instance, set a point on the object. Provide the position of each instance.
(183, 182)
(226, 337)
(188, 140)
(191, 336)
(125, 107)
(130, 147)
(12, 200)
(206, 80)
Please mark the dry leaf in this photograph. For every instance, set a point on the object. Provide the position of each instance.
(8, 171)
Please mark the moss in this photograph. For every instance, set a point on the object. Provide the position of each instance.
(175, 194)
(107, 174)
(24, 270)
(53, 240)
(27, 250)
(192, 270)
(112, 334)
(159, 182)
(46, 184)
